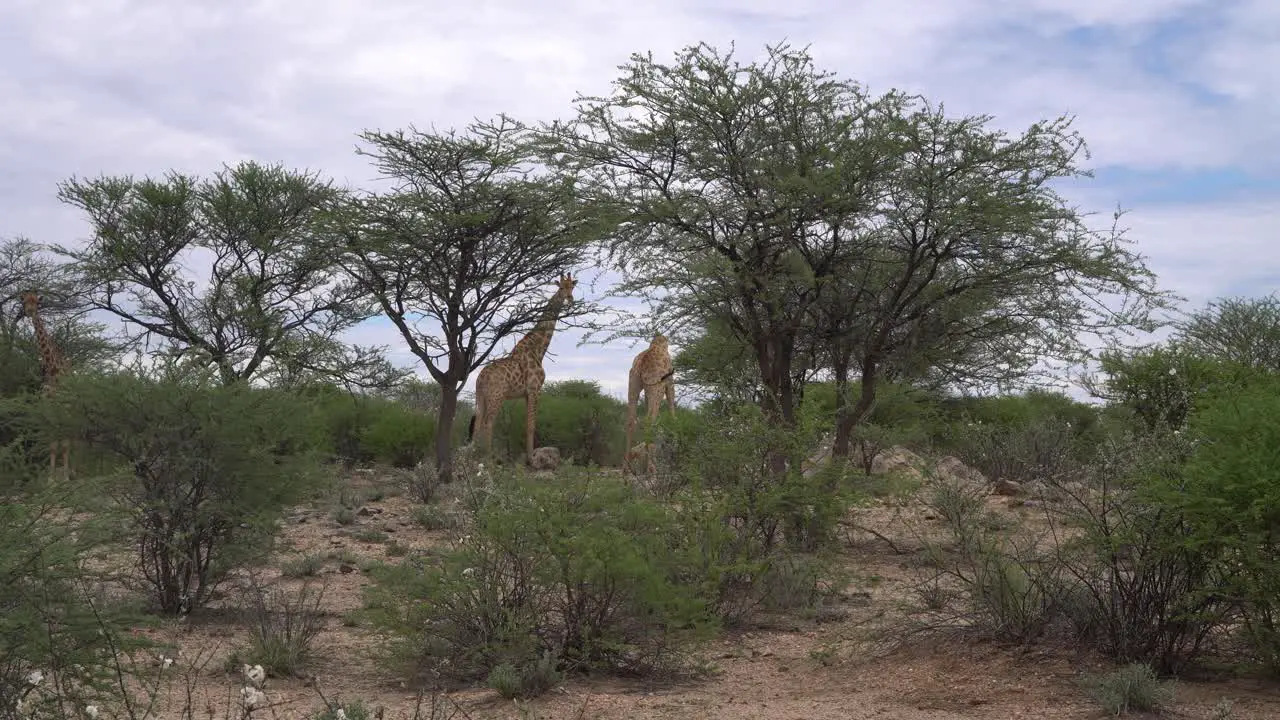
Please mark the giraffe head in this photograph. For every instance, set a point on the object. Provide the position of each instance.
(659, 341)
(30, 304)
(564, 292)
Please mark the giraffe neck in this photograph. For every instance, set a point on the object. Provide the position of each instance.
(535, 344)
(49, 361)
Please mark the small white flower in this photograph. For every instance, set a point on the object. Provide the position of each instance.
(252, 697)
(1173, 371)
(91, 711)
(468, 572)
(35, 677)
(255, 675)
(340, 714)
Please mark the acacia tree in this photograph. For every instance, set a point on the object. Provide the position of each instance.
(974, 269)
(724, 175)
(1240, 330)
(273, 298)
(459, 253)
(828, 230)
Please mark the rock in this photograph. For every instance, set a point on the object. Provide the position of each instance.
(545, 458)
(346, 569)
(1007, 488)
(898, 459)
(951, 468)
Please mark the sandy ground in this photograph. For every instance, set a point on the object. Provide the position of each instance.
(799, 669)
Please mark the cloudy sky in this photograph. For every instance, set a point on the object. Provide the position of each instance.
(1174, 97)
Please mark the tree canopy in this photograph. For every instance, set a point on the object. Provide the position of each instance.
(272, 299)
(829, 230)
(459, 254)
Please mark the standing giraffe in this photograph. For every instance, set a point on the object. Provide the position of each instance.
(653, 373)
(52, 365)
(519, 374)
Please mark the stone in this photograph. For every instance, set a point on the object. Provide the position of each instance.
(545, 458)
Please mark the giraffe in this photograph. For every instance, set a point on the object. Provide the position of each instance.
(651, 372)
(52, 366)
(519, 374)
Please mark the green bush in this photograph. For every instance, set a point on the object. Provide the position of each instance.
(1162, 386)
(1132, 687)
(1037, 435)
(52, 619)
(365, 428)
(398, 435)
(203, 471)
(574, 416)
(578, 567)
(283, 627)
(1230, 495)
(752, 531)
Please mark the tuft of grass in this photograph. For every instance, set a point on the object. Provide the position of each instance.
(434, 517)
(305, 566)
(371, 535)
(356, 710)
(527, 680)
(1132, 687)
(344, 515)
(283, 626)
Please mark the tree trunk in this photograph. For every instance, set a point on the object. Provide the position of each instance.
(444, 430)
(847, 421)
(774, 355)
(840, 445)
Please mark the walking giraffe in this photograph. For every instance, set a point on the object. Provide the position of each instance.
(52, 366)
(519, 374)
(652, 373)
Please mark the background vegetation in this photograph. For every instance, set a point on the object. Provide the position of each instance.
(847, 273)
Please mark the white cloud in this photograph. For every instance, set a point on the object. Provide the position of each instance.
(140, 86)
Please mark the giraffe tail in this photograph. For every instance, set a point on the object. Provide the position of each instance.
(471, 427)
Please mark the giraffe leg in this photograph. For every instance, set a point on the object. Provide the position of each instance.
(530, 423)
(633, 397)
(486, 422)
(671, 395)
(654, 405)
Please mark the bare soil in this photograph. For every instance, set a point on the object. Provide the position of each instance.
(811, 669)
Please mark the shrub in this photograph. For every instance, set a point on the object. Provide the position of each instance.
(52, 621)
(1137, 584)
(283, 627)
(1162, 386)
(1132, 687)
(365, 428)
(526, 681)
(399, 436)
(1230, 498)
(1033, 436)
(204, 470)
(578, 567)
(747, 526)
(573, 415)
(305, 566)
